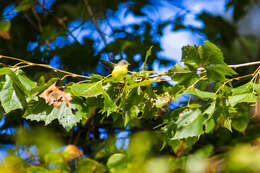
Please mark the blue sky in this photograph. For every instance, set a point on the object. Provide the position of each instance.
(171, 42)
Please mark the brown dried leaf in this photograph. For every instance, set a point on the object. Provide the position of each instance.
(55, 96)
(6, 35)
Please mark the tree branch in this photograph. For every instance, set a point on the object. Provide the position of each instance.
(93, 19)
(238, 65)
(37, 18)
(245, 64)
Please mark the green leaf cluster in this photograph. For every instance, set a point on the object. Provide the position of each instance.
(135, 99)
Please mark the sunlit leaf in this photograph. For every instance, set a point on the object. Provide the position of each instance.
(25, 4)
(142, 83)
(193, 129)
(227, 124)
(4, 25)
(201, 94)
(219, 72)
(190, 54)
(109, 104)
(40, 88)
(28, 83)
(184, 75)
(186, 118)
(89, 165)
(247, 98)
(210, 53)
(148, 53)
(211, 109)
(8, 96)
(117, 160)
(53, 158)
(210, 125)
(87, 89)
(40, 111)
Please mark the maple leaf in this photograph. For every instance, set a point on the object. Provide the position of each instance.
(54, 95)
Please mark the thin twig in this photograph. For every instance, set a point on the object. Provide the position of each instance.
(38, 19)
(61, 22)
(45, 66)
(237, 65)
(236, 78)
(31, 22)
(245, 64)
(95, 21)
(155, 75)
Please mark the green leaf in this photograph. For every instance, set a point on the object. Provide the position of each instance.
(201, 94)
(190, 54)
(183, 75)
(246, 98)
(96, 78)
(186, 118)
(210, 125)
(28, 83)
(175, 89)
(87, 89)
(227, 124)
(53, 158)
(210, 54)
(14, 78)
(249, 87)
(25, 5)
(4, 25)
(219, 72)
(204, 152)
(240, 123)
(91, 166)
(192, 130)
(211, 109)
(40, 169)
(141, 84)
(131, 113)
(117, 160)
(242, 89)
(109, 104)
(8, 97)
(194, 106)
(50, 33)
(132, 104)
(38, 89)
(162, 100)
(148, 53)
(80, 107)
(66, 116)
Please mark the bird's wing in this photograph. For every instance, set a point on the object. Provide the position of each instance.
(108, 65)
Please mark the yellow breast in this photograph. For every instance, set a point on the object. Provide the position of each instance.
(119, 70)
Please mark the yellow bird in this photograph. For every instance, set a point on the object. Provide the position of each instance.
(119, 69)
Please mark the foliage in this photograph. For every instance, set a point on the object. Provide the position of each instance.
(133, 99)
(196, 117)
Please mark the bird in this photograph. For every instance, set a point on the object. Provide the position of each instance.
(119, 69)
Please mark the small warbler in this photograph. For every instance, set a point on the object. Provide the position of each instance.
(119, 69)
